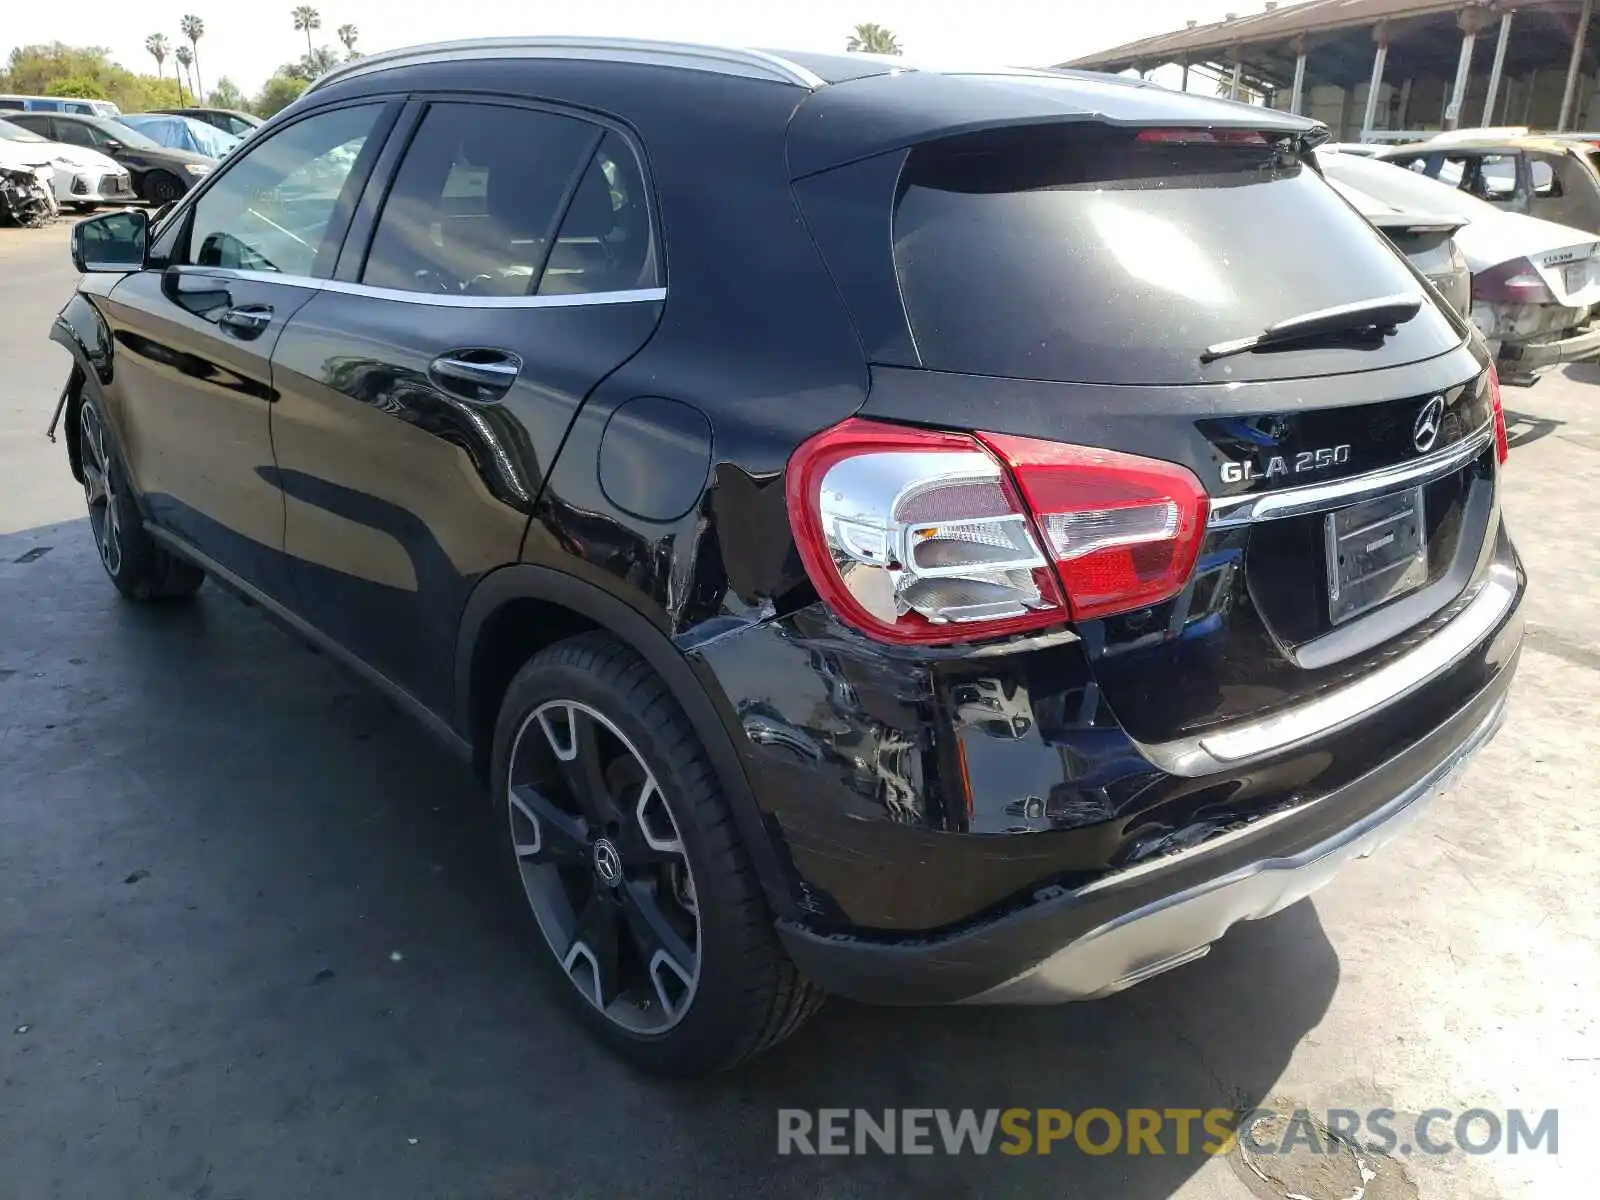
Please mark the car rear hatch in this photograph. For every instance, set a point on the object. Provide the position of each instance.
(1091, 284)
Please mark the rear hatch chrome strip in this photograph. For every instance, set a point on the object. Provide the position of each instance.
(1234, 511)
(1237, 744)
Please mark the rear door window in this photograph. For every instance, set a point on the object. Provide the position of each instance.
(1546, 183)
(477, 199)
(1495, 177)
(1092, 256)
(605, 242)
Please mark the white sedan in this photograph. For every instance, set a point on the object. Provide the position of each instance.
(1535, 284)
(84, 178)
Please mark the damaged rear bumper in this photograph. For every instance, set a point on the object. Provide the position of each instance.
(1114, 932)
(1583, 343)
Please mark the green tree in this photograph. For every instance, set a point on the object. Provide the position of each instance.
(194, 29)
(84, 70)
(307, 18)
(279, 92)
(311, 66)
(348, 35)
(185, 57)
(156, 44)
(77, 85)
(870, 38)
(226, 94)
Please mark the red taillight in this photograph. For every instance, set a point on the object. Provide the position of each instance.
(1502, 446)
(1204, 137)
(1514, 282)
(914, 535)
(1123, 531)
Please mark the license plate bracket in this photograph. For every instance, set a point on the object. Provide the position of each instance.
(1575, 277)
(1376, 550)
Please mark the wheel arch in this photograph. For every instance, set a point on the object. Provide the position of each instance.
(496, 637)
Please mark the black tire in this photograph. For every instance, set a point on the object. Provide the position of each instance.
(84, 209)
(139, 567)
(747, 996)
(161, 187)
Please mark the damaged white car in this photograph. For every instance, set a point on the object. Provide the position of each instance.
(1535, 284)
(81, 177)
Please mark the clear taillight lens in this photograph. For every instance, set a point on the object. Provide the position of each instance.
(1514, 282)
(921, 536)
(917, 536)
(1502, 445)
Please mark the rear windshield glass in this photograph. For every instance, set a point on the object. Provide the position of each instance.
(1092, 256)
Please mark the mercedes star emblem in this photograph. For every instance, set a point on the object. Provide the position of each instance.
(607, 862)
(1426, 431)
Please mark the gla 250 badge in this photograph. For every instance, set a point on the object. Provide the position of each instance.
(1286, 464)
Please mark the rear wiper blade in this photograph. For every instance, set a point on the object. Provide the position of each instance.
(1381, 313)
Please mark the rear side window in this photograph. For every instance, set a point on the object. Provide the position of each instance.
(476, 203)
(1090, 256)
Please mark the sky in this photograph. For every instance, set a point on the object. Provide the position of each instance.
(246, 42)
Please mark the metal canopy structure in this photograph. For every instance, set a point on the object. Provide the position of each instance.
(1464, 49)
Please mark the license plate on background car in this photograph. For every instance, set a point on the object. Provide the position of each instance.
(1575, 277)
(1377, 550)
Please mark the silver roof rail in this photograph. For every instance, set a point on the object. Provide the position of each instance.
(722, 60)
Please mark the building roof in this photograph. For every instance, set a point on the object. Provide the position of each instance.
(1205, 42)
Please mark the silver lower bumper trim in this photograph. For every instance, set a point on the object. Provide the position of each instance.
(1182, 927)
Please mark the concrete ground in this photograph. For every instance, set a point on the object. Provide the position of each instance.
(252, 943)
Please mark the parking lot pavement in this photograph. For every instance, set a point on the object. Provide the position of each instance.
(253, 944)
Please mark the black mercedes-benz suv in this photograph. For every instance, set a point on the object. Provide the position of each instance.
(922, 536)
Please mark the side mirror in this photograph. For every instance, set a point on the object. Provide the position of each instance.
(114, 242)
(113, 144)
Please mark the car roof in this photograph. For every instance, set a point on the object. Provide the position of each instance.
(1503, 145)
(185, 110)
(856, 105)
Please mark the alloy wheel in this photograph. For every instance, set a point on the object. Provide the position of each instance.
(604, 866)
(100, 490)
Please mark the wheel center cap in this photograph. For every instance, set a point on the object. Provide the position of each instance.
(607, 862)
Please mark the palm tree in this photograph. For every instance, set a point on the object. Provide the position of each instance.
(348, 34)
(307, 18)
(156, 43)
(873, 39)
(194, 29)
(185, 57)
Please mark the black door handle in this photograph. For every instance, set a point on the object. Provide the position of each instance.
(481, 375)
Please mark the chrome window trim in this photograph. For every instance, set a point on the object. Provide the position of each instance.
(1230, 512)
(1230, 747)
(720, 60)
(431, 299)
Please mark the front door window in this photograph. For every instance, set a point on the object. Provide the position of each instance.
(274, 208)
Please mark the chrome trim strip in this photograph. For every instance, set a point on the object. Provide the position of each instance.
(1230, 747)
(721, 60)
(432, 299)
(1233, 511)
